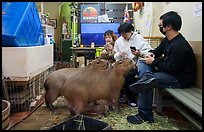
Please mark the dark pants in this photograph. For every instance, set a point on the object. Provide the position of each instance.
(129, 79)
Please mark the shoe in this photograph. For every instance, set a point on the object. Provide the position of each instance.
(138, 119)
(122, 101)
(132, 104)
(146, 83)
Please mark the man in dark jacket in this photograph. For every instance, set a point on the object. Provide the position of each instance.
(172, 64)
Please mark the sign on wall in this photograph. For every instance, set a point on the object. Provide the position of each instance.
(197, 9)
(90, 12)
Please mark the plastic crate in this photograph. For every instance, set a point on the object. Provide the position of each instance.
(21, 25)
(82, 122)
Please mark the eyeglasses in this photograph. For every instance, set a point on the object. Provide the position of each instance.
(160, 26)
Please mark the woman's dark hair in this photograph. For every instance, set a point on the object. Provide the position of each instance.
(110, 33)
(172, 18)
(125, 28)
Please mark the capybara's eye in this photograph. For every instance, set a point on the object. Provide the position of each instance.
(98, 62)
(120, 62)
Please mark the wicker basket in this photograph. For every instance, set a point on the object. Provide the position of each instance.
(5, 114)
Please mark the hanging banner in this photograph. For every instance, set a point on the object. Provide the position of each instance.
(90, 13)
(126, 15)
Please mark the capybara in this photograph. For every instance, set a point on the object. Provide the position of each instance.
(91, 85)
(99, 63)
(55, 80)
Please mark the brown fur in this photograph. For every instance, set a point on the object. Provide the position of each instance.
(99, 63)
(82, 82)
(99, 107)
(55, 80)
(91, 85)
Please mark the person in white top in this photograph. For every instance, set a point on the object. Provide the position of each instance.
(122, 49)
(128, 39)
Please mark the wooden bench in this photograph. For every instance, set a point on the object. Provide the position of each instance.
(189, 97)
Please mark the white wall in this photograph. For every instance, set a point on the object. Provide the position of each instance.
(191, 26)
(143, 19)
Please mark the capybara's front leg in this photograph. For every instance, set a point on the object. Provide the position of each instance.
(70, 107)
(49, 99)
(115, 106)
(50, 106)
(78, 107)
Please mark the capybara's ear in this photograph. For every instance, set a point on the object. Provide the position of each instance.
(110, 66)
(113, 65)
(89, 63)
(131, 61)
(98, 58)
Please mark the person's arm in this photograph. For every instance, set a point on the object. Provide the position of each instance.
(158, 51)
(173, 62)
(143, 45)
(117, 52)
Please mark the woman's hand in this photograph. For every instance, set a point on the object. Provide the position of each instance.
(135, 52)
(123, 54)
(104, 52)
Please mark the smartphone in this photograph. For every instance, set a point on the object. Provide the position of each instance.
(132, 48)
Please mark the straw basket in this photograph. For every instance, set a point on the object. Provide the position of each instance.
(5, 114)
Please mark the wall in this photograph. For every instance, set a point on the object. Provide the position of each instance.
(53, 9)
(147, 20)
(143, 19)
(157, 9)
(191, 27)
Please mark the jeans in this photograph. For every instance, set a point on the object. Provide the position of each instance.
(163, 79)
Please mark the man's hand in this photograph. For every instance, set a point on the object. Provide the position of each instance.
(150, 54)
(149, 58)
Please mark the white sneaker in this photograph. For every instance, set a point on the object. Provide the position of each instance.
(133, 104)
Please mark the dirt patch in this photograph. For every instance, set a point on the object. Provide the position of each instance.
(44, 118)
